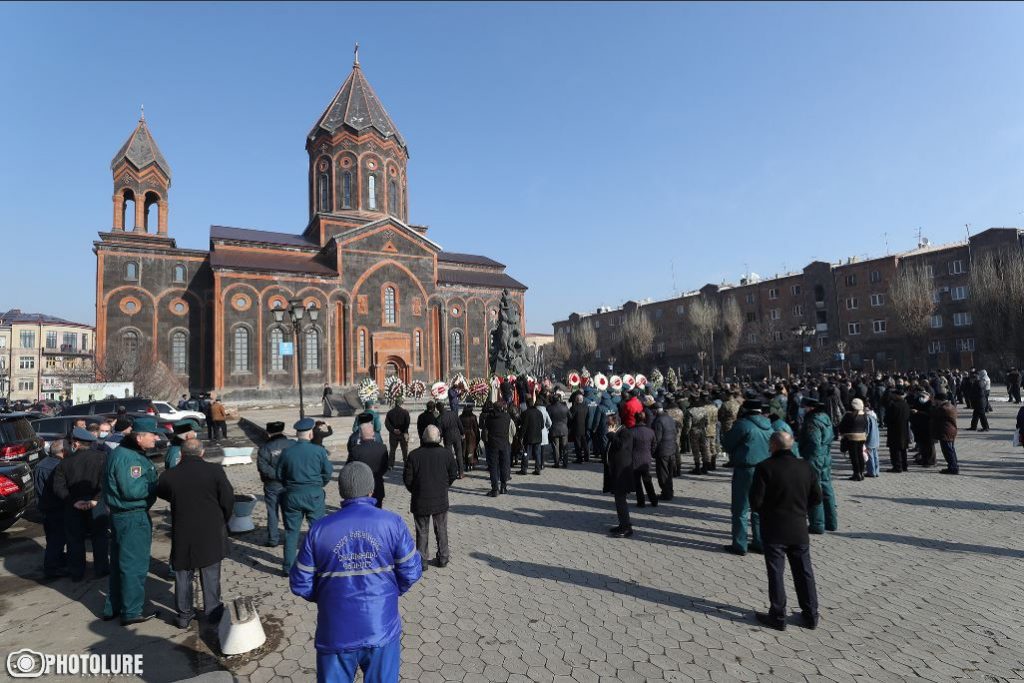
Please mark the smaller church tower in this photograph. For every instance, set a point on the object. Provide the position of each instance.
(142, 178)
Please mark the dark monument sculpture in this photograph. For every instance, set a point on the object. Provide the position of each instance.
(508, 348)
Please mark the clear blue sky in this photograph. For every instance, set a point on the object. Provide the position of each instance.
(593, 148)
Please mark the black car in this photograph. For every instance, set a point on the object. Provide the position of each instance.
(111, 407)
(18, 440)
(53, 428)
(16, 492)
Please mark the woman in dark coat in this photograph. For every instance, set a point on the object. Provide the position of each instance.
(470, 434)
(619, 476)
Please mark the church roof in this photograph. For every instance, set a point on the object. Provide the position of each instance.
(226, 232)
(269, 262)
(468, 259)
(357, 106)
(477, 278)
(141, 150)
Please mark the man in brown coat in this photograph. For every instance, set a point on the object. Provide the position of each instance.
(943, 429)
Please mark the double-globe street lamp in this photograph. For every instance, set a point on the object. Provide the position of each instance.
(804, 334)
(296, 314)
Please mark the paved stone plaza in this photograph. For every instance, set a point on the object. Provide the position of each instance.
(923, 582)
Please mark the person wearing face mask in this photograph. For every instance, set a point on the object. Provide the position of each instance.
(77, 481)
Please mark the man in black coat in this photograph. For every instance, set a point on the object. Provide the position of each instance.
(201, 502)
(397, 422)
(532, 426)
(373, 453)
(451, 434)
(496, 430)
(51, 507)
(784, 489)
(578, 414)
(78, 482)
(643, 458)
(558, 434)
(428, 474)
(897, 429)
(425, 419)
(665, 449)
(619, 474)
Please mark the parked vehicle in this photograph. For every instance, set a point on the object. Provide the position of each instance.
(16, 492)
(169, 413)
(51, 429)
(18, 440)
(110, 407)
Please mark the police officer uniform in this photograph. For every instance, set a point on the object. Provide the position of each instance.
(266, 462)
(129, 490)
(303, 471)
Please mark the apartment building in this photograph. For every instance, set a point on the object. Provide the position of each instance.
(826, 315)
(43, 355)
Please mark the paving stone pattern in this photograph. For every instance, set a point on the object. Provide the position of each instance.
(922, 582)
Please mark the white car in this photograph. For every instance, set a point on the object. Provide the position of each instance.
(171, 414)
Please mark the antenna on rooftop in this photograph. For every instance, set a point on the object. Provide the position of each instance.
(885, 238)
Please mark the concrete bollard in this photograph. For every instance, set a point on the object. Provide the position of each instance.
(240, 628)
(241, 514)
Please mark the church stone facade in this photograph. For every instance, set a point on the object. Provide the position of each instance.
(391, 301)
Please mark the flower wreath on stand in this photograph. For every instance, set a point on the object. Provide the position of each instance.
(479, 389)
(416, 389)
(369, 392)
(394, 388)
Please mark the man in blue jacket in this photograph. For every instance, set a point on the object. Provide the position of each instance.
(355, 563)
(747, 446)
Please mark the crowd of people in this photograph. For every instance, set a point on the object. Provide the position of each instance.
(774, 436)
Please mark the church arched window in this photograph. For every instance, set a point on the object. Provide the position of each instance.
(346, 190)
(389, 306)
(324, 192)
(240, 348)
(393, 198)
(361, 359)
(312, 356)
(131, 271)
(276, 338)
(130, 343)
(179, 353)
(417, 348)
(371, 191)
(179, 273)
(456, 349)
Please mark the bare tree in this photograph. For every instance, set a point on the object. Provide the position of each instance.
(997, 305)
(911, 296)
(635, 339)
(731, 328)
(150, 375)
(584, 342)
(704, 316)
(559, 352)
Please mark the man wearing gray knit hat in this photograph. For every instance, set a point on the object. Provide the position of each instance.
(354, 564)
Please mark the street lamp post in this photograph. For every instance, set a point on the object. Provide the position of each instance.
(703, 370)
(611, 365)
(841, 348)
(803, 335)
(296, 314)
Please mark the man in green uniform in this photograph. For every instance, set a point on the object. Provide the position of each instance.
(747, 446)
(304, 471)
(816, 448)
(698, 421)
(129, 486)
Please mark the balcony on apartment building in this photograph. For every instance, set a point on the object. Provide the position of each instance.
(66, 350)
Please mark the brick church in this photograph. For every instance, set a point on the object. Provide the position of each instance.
(391, 301)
